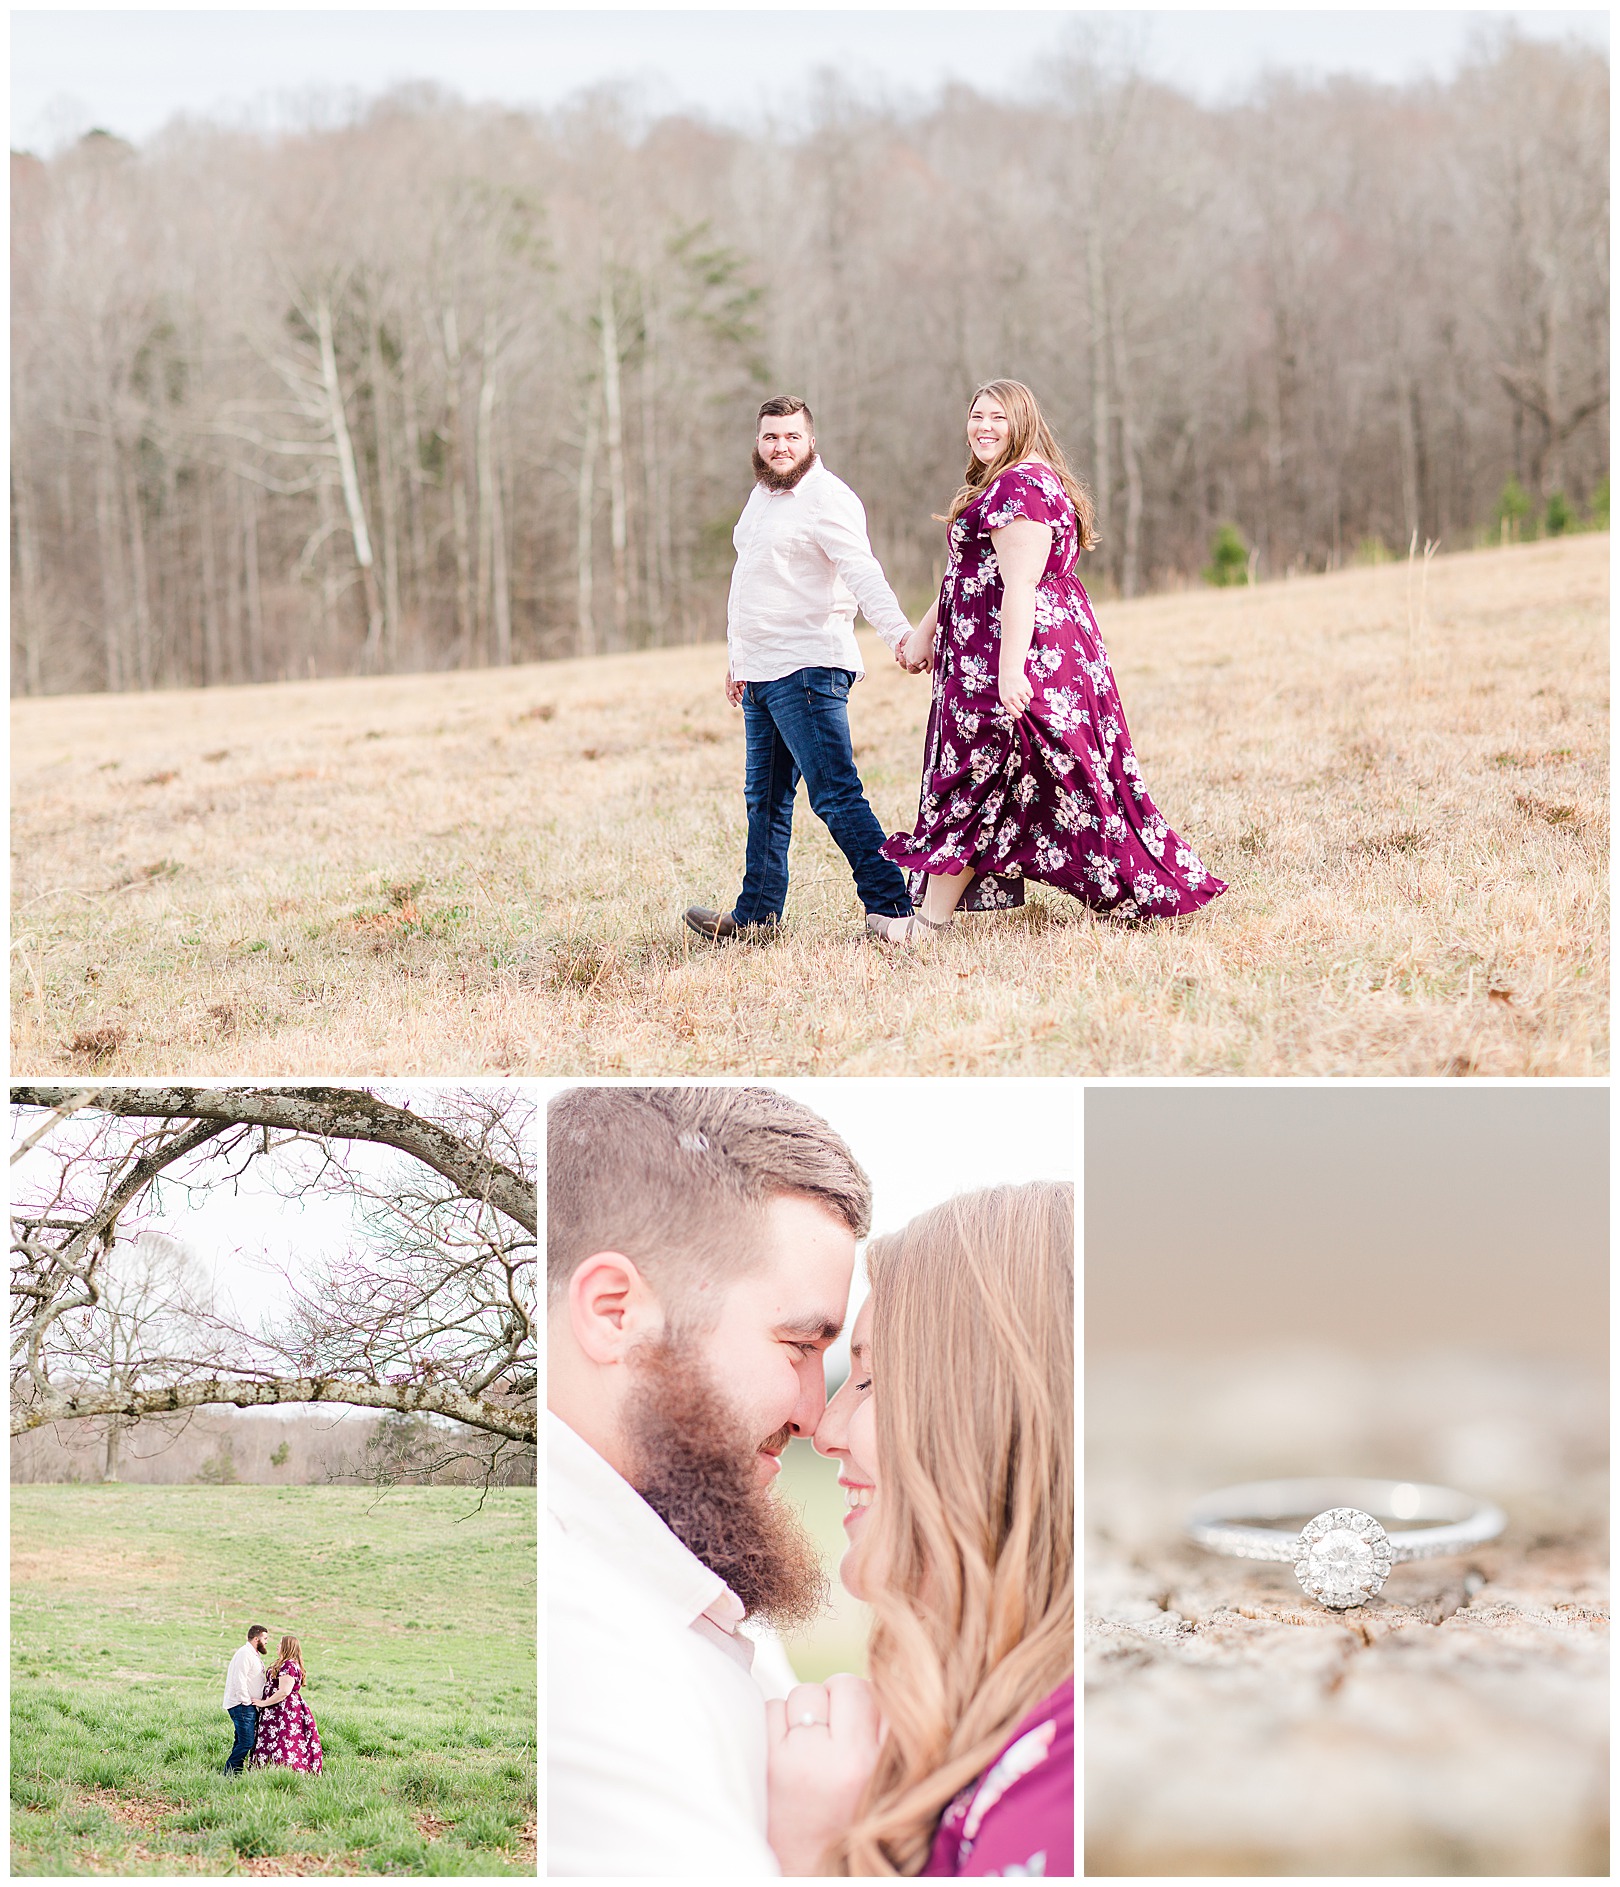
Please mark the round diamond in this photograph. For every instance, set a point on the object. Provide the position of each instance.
(1341, 1561)
(1343, 1558)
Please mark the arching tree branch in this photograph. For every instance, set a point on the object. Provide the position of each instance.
(495, 1418)
(334, 1113)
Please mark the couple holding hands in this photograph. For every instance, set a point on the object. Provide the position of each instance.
(1028, 770)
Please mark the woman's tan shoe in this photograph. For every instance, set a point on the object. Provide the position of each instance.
(910, 929)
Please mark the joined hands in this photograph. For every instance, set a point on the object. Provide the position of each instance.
(915, 652)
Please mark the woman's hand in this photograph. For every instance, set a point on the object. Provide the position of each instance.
(817, 1771)
(1016, 692)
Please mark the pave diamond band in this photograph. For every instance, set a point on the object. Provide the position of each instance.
(1342, 1556)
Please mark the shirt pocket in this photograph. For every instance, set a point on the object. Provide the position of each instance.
(795, 545)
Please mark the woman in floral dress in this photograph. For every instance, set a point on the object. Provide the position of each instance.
(954, 1438)
(287, 1733)
(1028, 770)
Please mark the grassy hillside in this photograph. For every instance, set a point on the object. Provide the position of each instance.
(1407, 794)
(418, 1633)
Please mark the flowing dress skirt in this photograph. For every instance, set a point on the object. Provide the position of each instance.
(1054, 793)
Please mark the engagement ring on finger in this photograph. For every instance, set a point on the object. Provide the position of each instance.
(1343, 1556)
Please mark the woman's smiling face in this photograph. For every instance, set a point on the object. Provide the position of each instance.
(988, 428)
(848, 1434)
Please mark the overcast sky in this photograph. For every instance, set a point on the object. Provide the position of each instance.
(131, 71)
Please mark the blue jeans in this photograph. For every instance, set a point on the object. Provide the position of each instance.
(245, 1721)
(798, 728)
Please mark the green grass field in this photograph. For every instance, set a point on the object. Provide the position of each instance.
(417, 1628)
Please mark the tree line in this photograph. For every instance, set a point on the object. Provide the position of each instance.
(230, 1449)
(450, 387)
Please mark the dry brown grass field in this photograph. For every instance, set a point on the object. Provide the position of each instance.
(486, 872)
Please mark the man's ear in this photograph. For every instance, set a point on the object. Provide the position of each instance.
(611, 1307)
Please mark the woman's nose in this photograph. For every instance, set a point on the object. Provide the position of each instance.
(829, 1437)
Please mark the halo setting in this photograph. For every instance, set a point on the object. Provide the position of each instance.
(1344, 1557)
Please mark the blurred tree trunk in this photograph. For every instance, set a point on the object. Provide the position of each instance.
(387, 490)
(617, 505)
(141, 609)
(30, 606)
(213, 629)
(458, 489)
(584, 519)
(491, 524)
(1130, 578)
(349, 477)
(1101, 427)
(253, 603)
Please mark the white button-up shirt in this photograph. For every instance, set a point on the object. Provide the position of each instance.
(244, 1677)
(655, 1728)
(803, 564)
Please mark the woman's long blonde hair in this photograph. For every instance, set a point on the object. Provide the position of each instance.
(1028, 437)
(971, 1540)
(290, 1653)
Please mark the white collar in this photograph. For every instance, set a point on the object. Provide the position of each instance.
(592, 1501)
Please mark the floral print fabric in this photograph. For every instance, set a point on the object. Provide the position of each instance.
(1054, 793)
(287, 1733)
(1017, 1819)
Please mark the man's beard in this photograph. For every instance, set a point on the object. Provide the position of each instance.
(781, 481)
(697, 1473)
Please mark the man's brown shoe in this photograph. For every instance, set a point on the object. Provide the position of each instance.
(720, 926)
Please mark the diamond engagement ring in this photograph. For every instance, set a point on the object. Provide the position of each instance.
(1343, 1556)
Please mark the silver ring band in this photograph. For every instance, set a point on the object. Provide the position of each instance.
(1342, 1556)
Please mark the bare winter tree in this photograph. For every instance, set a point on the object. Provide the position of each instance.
(429, 1311)
(156, 1300)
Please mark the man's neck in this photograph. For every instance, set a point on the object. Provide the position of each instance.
(594, 1426)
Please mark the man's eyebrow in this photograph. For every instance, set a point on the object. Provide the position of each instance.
(817, 1327)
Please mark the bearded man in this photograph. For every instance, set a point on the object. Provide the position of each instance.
(803, 564)
(699, 1247)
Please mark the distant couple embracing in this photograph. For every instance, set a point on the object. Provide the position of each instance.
(700, 1249)
(273, 1724)
(1028, 770)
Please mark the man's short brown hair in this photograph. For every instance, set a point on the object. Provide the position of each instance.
(676, 1180)
(783, 407)
(257, 1631)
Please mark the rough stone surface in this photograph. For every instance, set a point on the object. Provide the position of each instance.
(1455, 1724)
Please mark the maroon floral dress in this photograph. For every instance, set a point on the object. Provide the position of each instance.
(1018, 1817)
(287, 1733)
(1054, 793)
